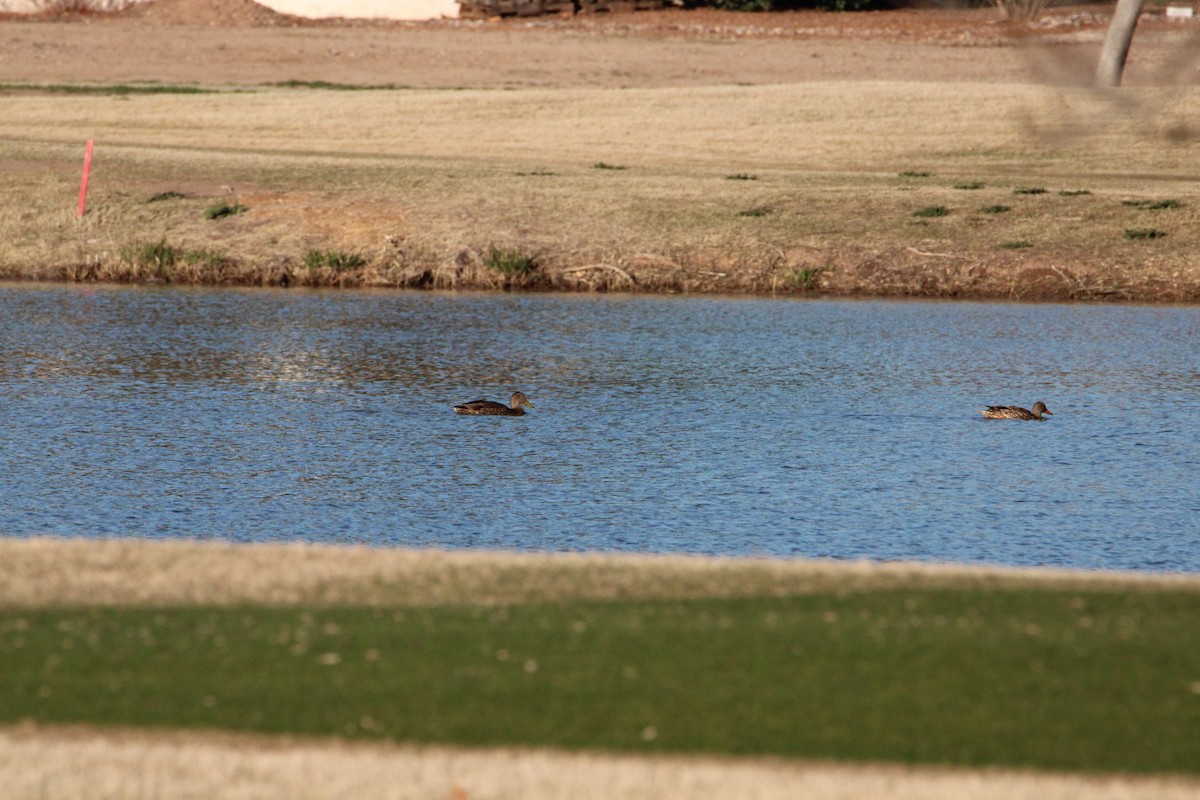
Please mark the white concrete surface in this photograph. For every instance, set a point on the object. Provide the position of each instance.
(387, 9)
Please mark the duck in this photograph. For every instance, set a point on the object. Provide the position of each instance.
(1016, 412)
(492, 408)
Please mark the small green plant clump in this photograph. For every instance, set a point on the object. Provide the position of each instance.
(604, 165)
(931, 211)
(1018, 245)
(1134, 234)
(508, 261)
(970, 185)
(117, 89)
(336, 260)
(340, 87)
(204, 257)
(223, 210)
(757, 211)
(803, 280)
(160, 257)
(1030, 190)
(1074, 192)
(913, 174)
(741, 176)
(161, 196)
(993, 209)
(1152, 205)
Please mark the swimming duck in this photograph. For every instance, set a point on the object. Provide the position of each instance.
(1016, 412)
(490, 408)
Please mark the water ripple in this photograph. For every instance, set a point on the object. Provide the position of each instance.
(702, 425)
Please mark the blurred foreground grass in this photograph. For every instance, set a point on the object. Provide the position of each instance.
(1076, 679)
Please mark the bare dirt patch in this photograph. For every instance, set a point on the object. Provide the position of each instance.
(223, 13)
(238, 41)
(80, 763)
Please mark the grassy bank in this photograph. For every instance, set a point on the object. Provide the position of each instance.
(932, 666)
(1000, 191)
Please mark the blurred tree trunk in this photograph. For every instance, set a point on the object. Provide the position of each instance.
(1116, 43)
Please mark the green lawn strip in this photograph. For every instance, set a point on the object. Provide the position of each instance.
(1076, 680)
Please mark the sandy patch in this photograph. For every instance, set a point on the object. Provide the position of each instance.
(69, 763)
(71, 572)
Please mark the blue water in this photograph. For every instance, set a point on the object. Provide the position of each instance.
(696, 425)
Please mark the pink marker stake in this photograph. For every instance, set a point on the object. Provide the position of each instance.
(87, 168)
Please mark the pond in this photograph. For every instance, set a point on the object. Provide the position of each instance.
(774, 427)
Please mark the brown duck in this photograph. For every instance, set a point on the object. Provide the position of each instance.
(494, 409)
(1016, 412)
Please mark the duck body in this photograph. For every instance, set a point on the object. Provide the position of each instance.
(490, 408)
(1016, 412)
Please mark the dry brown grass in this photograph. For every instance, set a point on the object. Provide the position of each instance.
(121, 572)
(78, 763)
(423, 182)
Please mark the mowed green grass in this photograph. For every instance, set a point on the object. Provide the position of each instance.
(1074, 679)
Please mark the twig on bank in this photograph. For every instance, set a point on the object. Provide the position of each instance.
(1064, 276)
(609, 267)
(660, 259)
(937, 255)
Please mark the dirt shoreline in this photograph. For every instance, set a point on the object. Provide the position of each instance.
(898, 274)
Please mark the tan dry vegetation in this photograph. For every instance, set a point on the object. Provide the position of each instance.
(79, 763)
(421, 183)
(73, 572)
